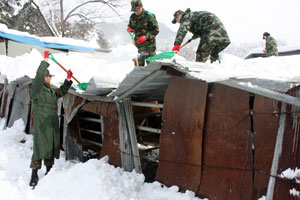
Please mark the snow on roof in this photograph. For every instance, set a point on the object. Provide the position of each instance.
(287, 48)
(47, 42)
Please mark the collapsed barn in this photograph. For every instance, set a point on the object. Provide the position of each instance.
(222, 140)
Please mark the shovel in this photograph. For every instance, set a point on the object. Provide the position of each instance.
(132, 39)
(81, 86)
(168, 55)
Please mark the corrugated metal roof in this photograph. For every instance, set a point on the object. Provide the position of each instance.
(144, 83)
(150, 83)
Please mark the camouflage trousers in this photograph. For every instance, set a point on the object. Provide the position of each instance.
(272, 53)
(37, 164)
(143, 55)
(212, 49)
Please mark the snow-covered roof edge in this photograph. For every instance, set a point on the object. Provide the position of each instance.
(47, 42)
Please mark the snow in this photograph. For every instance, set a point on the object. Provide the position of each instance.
(84, 66)
(291, 174)
(294, 192)
(119, 63)
(93, 180)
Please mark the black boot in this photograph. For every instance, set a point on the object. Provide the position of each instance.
(48, 168)
(34, 178)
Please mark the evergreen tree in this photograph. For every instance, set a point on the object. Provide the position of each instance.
(29, 20)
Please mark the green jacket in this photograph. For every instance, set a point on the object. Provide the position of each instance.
(46, 137)
(271, 46)
(144, 24)
(203, 24)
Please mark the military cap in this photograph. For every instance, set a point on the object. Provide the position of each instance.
(48, 73)
(135, 4)
(266, 34)
(178, 12)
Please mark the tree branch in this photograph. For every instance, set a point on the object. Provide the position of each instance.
(88, 2)
(51, 31)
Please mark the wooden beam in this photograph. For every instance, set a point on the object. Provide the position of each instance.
(263, 92)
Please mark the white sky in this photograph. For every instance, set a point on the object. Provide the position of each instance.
(244, 20)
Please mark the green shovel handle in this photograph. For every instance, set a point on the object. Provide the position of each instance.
(131, 35)
(52, 57)
(191, 39)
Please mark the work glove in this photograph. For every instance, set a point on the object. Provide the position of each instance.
(69, 75)
(129, 29)
(46, 54)
(176, 48)
(264, 51)
(141, 39)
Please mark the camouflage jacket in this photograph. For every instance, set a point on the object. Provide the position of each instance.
(271, 46)
(144, 24)
(203, 24)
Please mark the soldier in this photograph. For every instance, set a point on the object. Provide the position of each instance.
(145, 28)
(271, 45)
(46, 144)
(205, 25)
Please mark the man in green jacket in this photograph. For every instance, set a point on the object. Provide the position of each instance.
(271, 45)
(144, 26)
(205, 25)
(46, 137)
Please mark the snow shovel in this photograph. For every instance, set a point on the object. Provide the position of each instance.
(81, 86)
(132, 39)
(168, 55)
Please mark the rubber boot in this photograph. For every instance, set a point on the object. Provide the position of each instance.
(48, 168)
(34, 178)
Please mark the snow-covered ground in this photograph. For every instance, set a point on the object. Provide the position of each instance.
(69, 180)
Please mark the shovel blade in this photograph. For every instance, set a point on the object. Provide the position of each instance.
(82, 86)
(165, 55)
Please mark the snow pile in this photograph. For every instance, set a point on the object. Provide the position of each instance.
(93, 180)
(84, 66)
(119, 63)
(284, 69)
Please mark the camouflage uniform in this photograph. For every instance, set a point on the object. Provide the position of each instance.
(271, 46)
(209, 28)
(144, 24)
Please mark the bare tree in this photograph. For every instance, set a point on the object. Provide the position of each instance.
(58, 17)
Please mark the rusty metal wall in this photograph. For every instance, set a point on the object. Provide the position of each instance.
(290, 155)
(111, 141)
(180, 153)
(265, 123)
(227, 153)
